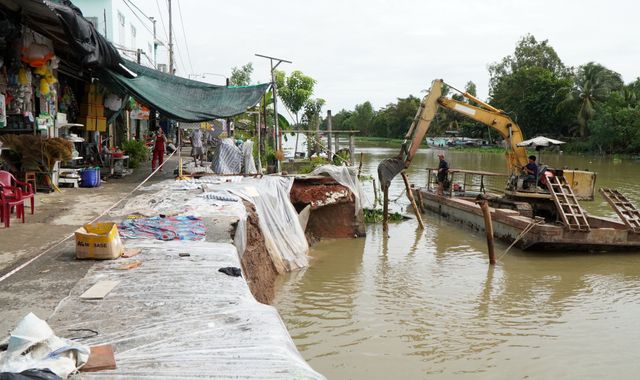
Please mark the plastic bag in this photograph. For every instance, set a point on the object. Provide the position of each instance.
(33, 344)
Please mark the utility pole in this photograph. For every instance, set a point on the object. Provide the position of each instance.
(155, 44)
(104, 17)
(170, 41)
(138, 56)
(278, 138)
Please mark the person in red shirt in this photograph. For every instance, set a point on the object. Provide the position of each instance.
(158, 150)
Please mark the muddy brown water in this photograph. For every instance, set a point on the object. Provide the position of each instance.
(427, 304)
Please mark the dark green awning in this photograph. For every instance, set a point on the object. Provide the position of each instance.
(183, 99)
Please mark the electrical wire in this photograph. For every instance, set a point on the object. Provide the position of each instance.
(166, 35)
(184, 35)
(126, 2)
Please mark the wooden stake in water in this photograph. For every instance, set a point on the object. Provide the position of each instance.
(488, 226)
(412, 199)
(385, 209)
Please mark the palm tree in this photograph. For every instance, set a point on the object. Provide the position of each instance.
(592, 85)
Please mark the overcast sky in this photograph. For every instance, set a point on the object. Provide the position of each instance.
(380, 50)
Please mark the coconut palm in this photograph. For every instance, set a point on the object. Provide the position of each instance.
(592, 85)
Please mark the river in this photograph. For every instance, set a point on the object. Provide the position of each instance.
(426, 304)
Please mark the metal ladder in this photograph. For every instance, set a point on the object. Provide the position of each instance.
(567, 204)
(625, 209)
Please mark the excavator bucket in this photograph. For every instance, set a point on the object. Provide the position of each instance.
(389, 168)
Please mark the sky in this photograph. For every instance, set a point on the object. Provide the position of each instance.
(380, 50)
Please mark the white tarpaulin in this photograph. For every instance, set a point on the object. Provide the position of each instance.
(279, 221)
(347, 177)
(176, 316)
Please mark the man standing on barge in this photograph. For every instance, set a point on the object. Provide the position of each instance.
(443, 172)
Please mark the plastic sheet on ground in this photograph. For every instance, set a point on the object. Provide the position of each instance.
(279, 223)
(179, 318)
(227, 158)
(190, 167)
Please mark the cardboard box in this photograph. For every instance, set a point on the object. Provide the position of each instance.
(91, 109)
(99, 241)
(89, 122)
(101, 124)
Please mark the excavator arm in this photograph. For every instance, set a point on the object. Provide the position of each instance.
(484, 113)
(582, 182)
(497, 120)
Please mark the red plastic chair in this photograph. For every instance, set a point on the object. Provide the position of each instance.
(8, 182)
(11, 197)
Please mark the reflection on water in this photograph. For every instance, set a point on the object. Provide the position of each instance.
(426, 304)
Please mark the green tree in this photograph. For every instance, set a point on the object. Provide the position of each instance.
(528, 53)
(527, 85)
(241, 76)
(592, 86)
(341, 120)
(294, 90)
(615, 128)
(312, 110)
(394, 120)
(362, 118)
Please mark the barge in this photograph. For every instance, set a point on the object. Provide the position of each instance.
(531, 228)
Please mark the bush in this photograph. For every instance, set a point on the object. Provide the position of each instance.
(137, 152)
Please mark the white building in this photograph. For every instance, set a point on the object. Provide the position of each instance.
(129, 26)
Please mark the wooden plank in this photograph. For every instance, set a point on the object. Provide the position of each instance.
(99, 290)
(101, 358)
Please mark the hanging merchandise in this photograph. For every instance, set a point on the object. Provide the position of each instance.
(37, 50)
(113, 102)
(140, 112)
(68, 103)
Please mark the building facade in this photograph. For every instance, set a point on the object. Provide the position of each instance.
(129, 26)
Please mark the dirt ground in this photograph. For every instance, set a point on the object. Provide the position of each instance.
(258, 268)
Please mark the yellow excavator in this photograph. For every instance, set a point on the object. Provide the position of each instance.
(581, 182)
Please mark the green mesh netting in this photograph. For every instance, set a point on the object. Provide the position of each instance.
(183, 99)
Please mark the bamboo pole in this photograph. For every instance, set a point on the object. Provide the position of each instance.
(360, 166)
(488, 226)
(412, 199)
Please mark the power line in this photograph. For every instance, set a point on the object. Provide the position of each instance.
(166, 35)
(138, 17)
(138, 8)
(184, 35)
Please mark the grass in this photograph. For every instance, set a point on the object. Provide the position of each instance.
(374, 215)
(378, 141)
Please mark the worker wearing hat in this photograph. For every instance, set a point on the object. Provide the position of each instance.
(443, 171)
